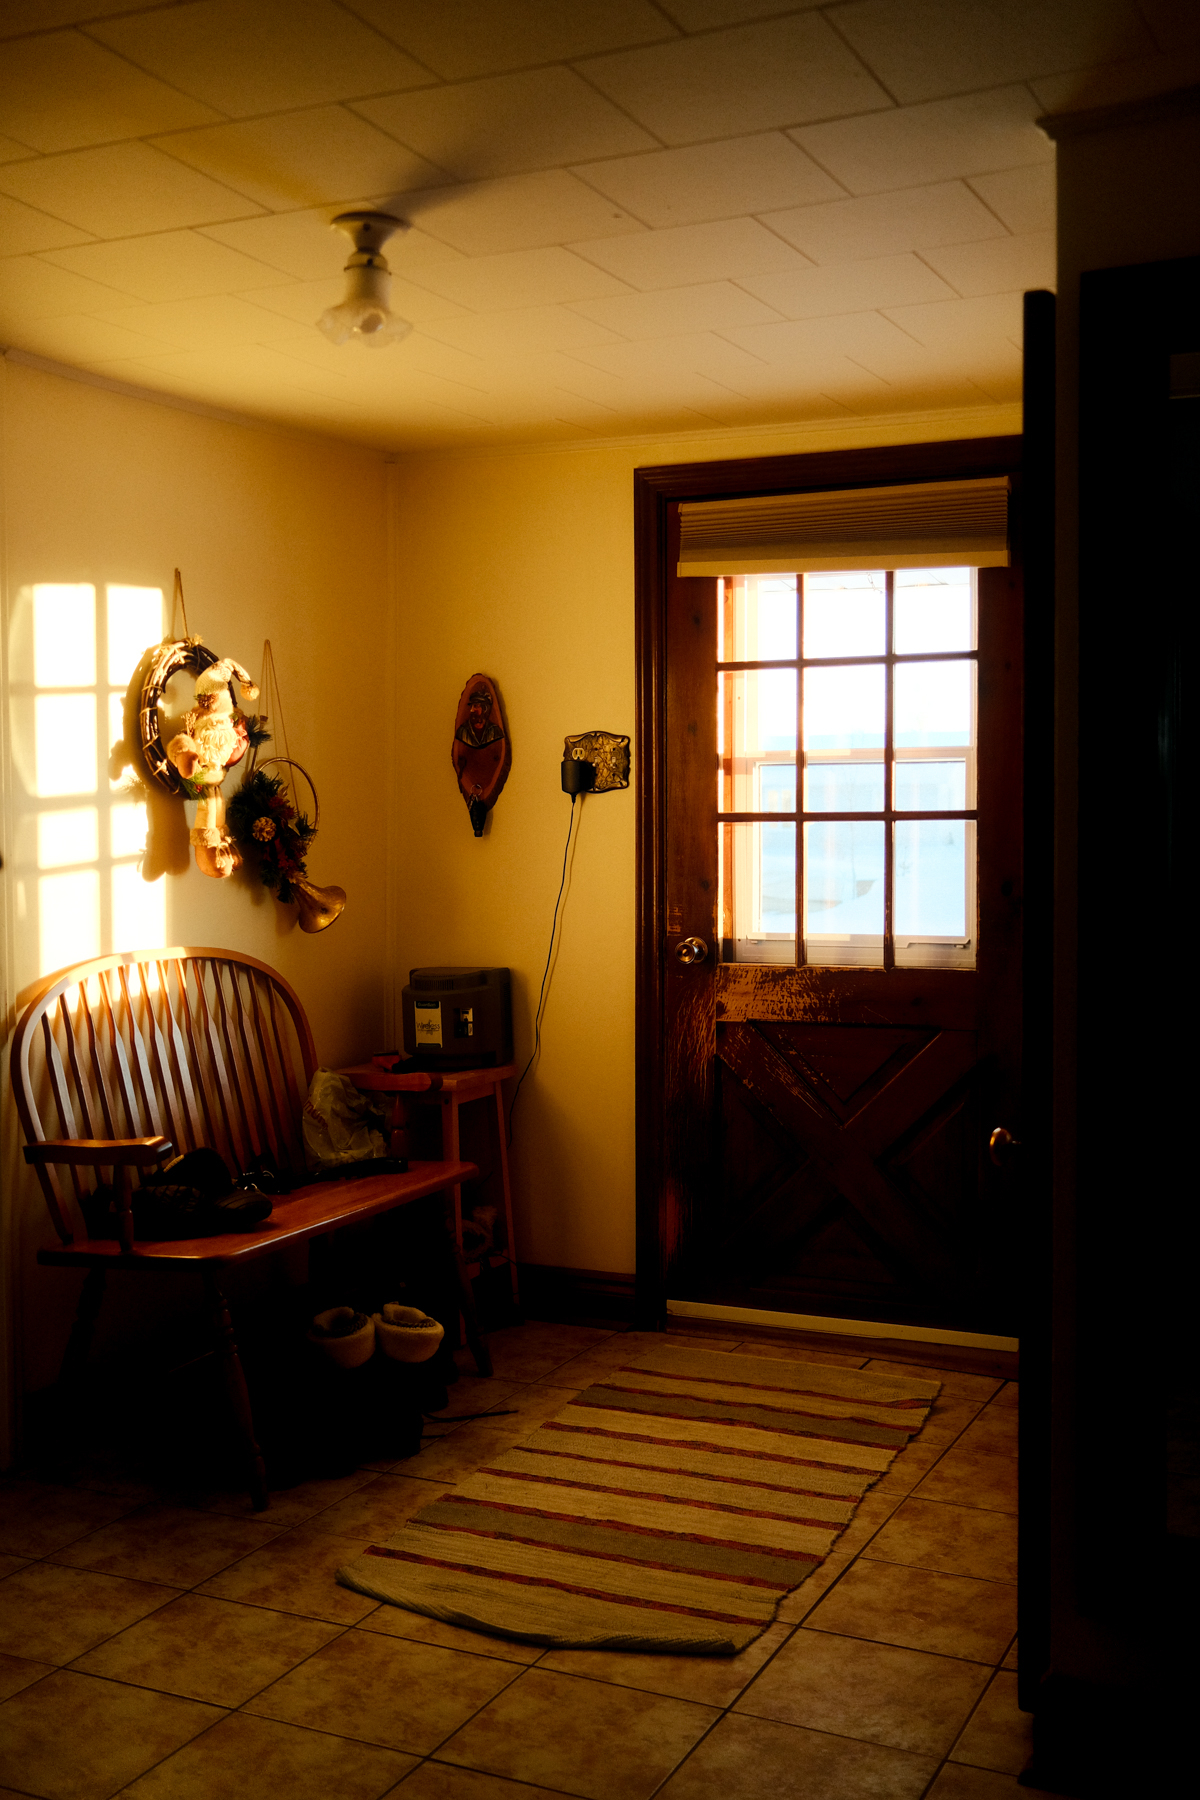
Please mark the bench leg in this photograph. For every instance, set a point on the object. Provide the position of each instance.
(237, 1391)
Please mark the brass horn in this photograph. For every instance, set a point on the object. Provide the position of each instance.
(319, 906)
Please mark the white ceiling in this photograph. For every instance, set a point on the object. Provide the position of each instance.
(627, 215)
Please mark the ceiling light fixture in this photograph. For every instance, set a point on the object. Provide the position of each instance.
(364, 314)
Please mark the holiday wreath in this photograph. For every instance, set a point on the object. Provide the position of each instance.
(263, 820)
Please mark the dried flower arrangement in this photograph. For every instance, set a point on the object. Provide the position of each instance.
(263, 820)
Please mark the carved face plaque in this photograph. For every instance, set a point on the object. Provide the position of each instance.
(481, 753)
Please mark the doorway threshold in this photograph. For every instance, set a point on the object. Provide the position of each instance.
(856, 1328)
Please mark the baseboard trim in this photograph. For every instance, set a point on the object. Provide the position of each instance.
(575, 1296)
(855, 1328)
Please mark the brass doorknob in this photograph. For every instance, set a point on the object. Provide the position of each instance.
(691, 950)
(1001, 1145)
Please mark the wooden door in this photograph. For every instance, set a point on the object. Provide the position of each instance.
(813, 1137)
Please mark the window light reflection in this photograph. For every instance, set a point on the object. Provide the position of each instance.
(70, 837)
(134, 621)
(68, 917)
(64, 634)
(65, 744)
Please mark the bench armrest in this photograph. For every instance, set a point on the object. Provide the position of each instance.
(97, 1153)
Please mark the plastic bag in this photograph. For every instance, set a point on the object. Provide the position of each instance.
(340, 1123)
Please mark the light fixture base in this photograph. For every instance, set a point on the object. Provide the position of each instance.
(368, 230)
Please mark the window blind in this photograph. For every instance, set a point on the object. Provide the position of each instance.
(936, 524)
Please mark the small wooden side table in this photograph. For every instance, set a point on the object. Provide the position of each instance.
(450, 1091)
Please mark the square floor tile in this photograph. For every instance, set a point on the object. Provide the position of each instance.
(870, 1515)
(958, 1540)
(296, 1573)
(712, 1680)
(77, 1738)
(998, 1735)
(946, 1614)
(799, 1603)
(438, 1781)
(378, 1510)
(958, 1783)
(751, 1759)
(397, 1621)
(285, 1506)
(244, 1756)
(530, 1352)
(172, 1544)
(972, 1477)
(37, 1518)
(53, 1614)
(954, 1381)
(877, 1692)
(384, 1690)
(1010, 1661)
(581, 1737)
(17, 1672)
(211, 1650)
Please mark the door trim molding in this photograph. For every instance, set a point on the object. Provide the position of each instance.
(655, 490)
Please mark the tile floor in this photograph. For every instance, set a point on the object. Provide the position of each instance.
(175, 1651)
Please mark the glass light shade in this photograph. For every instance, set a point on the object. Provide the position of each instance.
(364, 314)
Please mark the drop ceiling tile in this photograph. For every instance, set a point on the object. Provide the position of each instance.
(854, 335)
(962, 327)
(708, 15)
(304, 301)
(273, 55)
(31, 288)
(509, 123)
(1023, 198)
(751, 78)
(74, 338)
(713, 181)
(457, 38)
(924, 48)
(20, 16)
(850, 287)
(939, 141)
(12, 151)
(729, 249)
(122, 190)
(171, 265)
(698, 353)
(523, 329)
(545, 277)
(1001, 266)
(211, 323)
(61, 91)
(301, 159)
(886, 224)
(24, 229)
(305, 244)
(517, 212)
(709, 306)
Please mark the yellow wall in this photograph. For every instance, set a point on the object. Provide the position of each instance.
(520, 564)
(278, 535)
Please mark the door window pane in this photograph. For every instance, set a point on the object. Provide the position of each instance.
(759, 884)
(933, 609)
(843, 891)
(923, 785)
(757, 618)
(844, 708)
(843, 787)
(844, 613)
(931, 878)
(934, 704)
(756, 741)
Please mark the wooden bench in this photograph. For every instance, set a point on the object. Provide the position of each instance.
(123, 1062)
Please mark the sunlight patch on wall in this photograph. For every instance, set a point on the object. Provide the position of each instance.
(79, 837)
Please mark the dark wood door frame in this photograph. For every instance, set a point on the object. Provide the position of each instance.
(655, 490)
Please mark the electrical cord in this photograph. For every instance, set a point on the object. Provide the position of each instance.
(537, 1018)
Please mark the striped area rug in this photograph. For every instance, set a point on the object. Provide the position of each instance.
(670, 1507)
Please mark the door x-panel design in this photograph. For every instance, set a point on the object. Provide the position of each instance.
(847, 1158)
